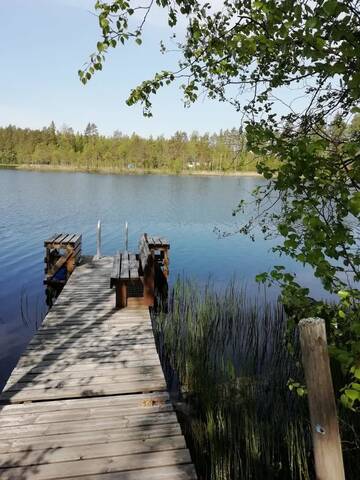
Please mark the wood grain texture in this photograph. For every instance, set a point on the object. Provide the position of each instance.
(88, 398)
(324, 423)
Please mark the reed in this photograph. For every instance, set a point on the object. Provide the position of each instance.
(228, 364)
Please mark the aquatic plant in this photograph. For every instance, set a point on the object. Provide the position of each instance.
(228, 364)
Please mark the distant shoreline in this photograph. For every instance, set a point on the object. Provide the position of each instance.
(134, 171)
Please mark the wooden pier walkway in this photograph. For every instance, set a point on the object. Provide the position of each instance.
(87, 399)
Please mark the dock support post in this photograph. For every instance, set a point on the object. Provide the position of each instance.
(98, 241)
(324, 423)
(121, 295)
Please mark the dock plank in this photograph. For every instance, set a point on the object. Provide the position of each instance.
(88, 397)
(111, 464)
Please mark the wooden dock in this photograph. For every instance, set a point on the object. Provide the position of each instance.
(87, 399)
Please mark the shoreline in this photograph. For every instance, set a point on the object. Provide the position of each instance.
(135, 171)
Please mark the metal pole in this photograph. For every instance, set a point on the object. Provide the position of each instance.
(126, 236)
(98, 241)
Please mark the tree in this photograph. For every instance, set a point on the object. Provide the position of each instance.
(50, 134)
(261, 47)
(117, 134)
(66, 130)
(91, 130)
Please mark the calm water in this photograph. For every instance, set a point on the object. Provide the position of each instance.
(33, 205)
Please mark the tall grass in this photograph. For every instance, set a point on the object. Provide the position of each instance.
(230, 360)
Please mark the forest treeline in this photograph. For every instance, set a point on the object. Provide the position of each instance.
(225, 151)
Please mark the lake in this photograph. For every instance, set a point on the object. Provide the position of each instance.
(33, 205)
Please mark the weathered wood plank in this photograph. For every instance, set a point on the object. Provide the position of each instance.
(77, 414)
(178, 472)
(84, 438)
(115, 273)
(124, 371)
(136, 400)
(92, 341)
(87, 425)
(124, 271)
(88, 397)
(45, 382)
(51, 369)
(88, 363)
(109, 345)
(51, 239)
(35, 394)
(133, 266)
(81, 452)
(95, 402)
(101, 465)
(76, 239)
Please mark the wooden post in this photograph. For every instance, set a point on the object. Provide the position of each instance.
(324, 423)
(121, 295)
(149, 290)
(123, 290)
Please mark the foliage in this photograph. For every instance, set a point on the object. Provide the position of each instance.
(258, 49)
(229, 355)
(223, 152)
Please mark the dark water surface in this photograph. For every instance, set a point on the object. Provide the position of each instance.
(33, 205)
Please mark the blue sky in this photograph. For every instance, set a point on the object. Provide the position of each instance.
(43, 43)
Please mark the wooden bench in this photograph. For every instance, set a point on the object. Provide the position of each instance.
(130, 269)
(125, 271)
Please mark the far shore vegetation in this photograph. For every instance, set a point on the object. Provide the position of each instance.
(54, 149)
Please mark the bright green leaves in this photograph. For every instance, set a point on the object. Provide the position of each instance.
(101, 47)
(104, 23)
(354, 204)
(331, 7)
(114, 24)
(141, 93)
(248, 43)
(351, 396)
(343, 294)
(297, 387)
(356, 372)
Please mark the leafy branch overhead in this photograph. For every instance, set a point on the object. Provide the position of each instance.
(252, 54)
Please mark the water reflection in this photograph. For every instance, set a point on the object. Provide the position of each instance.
(34, 205)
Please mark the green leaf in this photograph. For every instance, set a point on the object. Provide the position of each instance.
(300, 391)
(343, 294)
(261, 277)
(355, 204)
(353, 395)
(330, 7)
